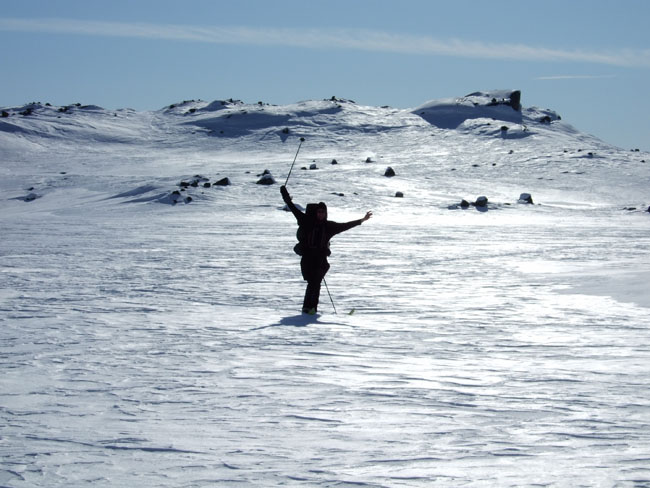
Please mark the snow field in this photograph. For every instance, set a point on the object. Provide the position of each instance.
(157, 345)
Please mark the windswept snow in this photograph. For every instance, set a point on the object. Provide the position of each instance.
(147, 343)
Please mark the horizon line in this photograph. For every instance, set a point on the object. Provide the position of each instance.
(345, 39)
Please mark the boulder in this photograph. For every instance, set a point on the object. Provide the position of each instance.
(399, 194)
(389, 172)
(223, 182)
(266, 179)
(481, 201)
(515, 100)
(525, 198)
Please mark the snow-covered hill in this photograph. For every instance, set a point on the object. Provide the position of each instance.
(150, 320)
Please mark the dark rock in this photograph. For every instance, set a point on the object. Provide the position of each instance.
(174, 197)
(194, 182)
(389, 172)
(515, 100)
(334, 161)
(481, 201)
(223, 182)
(525, 198)
(464, 204)
(399, 194)
(266, 179)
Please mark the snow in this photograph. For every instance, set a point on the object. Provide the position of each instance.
(147, 343)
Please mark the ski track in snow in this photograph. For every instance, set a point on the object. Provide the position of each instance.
(156, 345)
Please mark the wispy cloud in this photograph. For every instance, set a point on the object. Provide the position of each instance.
(575, 77)
(348, 39)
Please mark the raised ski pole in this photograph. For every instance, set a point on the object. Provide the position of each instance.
(330, 295)
(302, 139)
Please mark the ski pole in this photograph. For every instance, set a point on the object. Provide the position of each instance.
(302, 139)
(330, 295)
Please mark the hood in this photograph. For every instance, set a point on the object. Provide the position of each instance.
(310, 212)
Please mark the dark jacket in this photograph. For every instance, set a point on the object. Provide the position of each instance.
(314, 236)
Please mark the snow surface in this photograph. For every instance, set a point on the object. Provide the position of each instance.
(151, 343)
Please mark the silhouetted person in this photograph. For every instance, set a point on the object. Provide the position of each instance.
(314, 234)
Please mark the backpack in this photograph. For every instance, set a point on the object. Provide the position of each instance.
(301, 235)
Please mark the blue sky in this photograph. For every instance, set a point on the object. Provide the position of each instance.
(587, 59)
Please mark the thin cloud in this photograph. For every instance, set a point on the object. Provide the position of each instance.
(575, 77)
(347, 39)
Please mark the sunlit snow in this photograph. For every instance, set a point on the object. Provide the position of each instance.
(151, 332)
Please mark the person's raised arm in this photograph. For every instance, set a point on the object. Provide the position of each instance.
(287, 199)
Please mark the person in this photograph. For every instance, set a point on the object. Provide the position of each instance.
(314, 234)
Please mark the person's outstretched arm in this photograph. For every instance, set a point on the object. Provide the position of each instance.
(337, 228)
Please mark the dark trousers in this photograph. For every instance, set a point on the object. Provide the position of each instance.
(314, 269)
